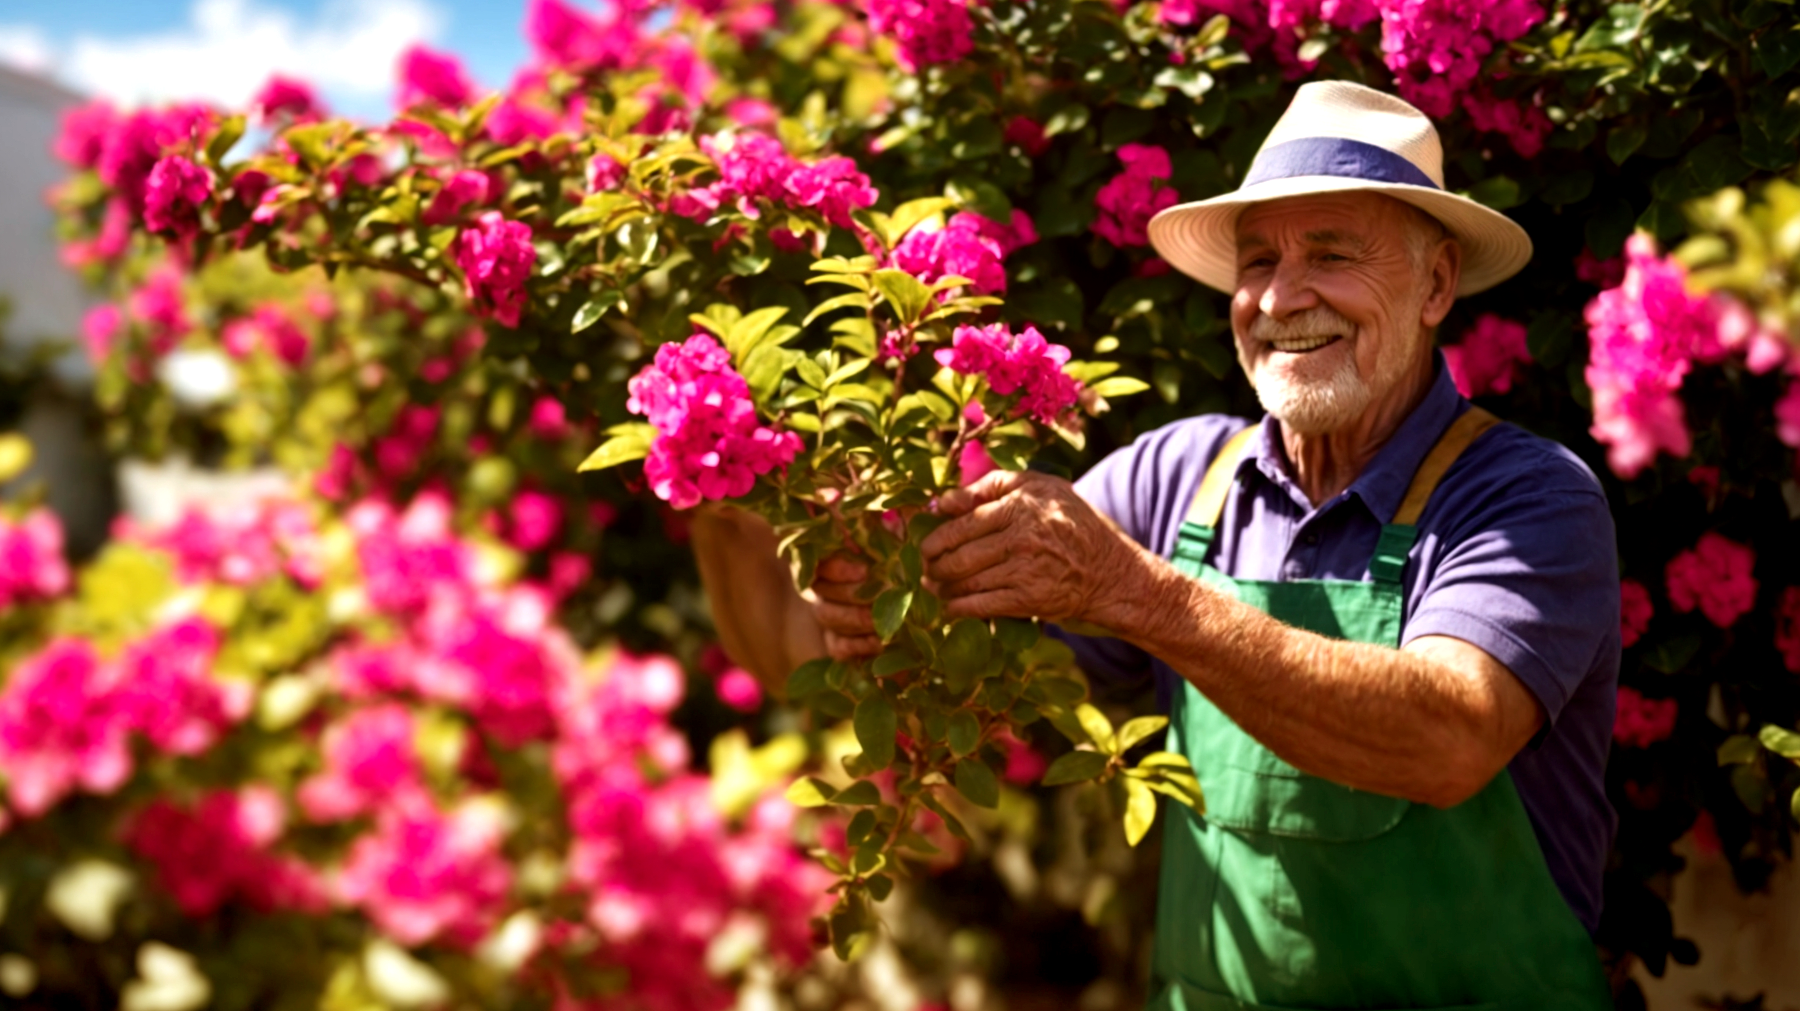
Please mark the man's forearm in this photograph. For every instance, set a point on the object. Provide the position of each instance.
(1389, 721)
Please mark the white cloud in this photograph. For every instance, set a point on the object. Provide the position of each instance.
(24, 47)
(229, 48)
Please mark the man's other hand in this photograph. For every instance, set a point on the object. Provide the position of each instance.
(847, 621)
(1022, 545)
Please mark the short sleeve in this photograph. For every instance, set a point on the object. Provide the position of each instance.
(1527, 570)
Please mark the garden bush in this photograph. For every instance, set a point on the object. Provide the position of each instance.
(822, 263)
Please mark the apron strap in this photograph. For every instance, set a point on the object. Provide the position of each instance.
(1397, 537)
(1194, 539)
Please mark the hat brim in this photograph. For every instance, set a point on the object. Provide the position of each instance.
(1200, 238)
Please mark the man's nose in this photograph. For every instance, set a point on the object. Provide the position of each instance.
(1288, 291)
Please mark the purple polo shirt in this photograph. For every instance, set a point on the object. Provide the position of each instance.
(1515, 555)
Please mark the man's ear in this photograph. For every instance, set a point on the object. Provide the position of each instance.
(1446, 272)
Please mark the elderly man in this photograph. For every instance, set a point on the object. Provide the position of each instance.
(1385, 626)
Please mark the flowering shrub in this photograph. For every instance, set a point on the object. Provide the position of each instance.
(819, 195)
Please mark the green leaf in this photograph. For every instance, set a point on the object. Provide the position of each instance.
(625, 447)
(905, 293)
(810, 792)
(909, 214)
(1140, 810)
(876, 724)
(980, 196)
(1778, 50)
(1136, 730)
(880, 887)
(965, 653)
(231, 130)
(1097, 727)
(912, 564)
(890, 611)
(1624, 141)
(1119, 386)
(1497, 192)
(861, 793)
(1738, 749)
(763, 370)
(808, 678)
(848, 300)
(976, 781)
(895, 660)
(594, 308)
(951, 822)
(964, 733)
(1075, 767)
(748, 332)
(1781, 741)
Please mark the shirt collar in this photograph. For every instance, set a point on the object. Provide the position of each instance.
(1383, 483)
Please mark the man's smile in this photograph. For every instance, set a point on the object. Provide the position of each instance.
(1303, 345)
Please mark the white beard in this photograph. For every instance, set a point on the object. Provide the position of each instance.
(1321, 391)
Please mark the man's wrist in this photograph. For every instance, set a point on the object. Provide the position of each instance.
(1135, 593)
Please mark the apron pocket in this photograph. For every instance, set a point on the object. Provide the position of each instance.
(1299, 806)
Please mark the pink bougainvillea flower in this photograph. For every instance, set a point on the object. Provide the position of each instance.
(738, 689)
(604, 173)
(1130, 199)
(709, 442)
(84, 132)
(32, 566)
(426, 875)
(218, 852)
(534, 519)
(138, 141)
(548, 419)
(968, 246)
(161, 305)
(428, 76)
(409, 558)
(565, 37)
(100, 331)
(1635, 611)
(459, 191)
(751, 112)
(1028, 133)
(496, 257)
(370, 764)
(1640, 722)
(286, 96)
(1787, 628)
(398, 453)
(1714, 576)
(1787, 415)
(1025, 364)
(515, 122)
(1597, 272)
(925, 32)
(174, 193)
(831, 186)
(61, 727)
(1522, 123)
(1436, 47)
(1488, 357)
(270, 329)
(973, 462)
(240, 544)
(167, 689)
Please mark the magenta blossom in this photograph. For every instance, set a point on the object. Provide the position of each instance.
(459, 191)
(61, 727)
(84, 132)
(161, 305)
(1130, 199)
(565, 37)
(1640, 722)
(755, 169)
(925, 32)
(270, 329)
(1714, 576)
(1635, 611)
(167, 689)
(968, 246)
(218, 851)
(32, 567)
(496, 257)
(137, 142)
(427, 76)
(286, 96)
(174, 194)
(426, 875)
(709, 443)
(1488, 357)
(1025, 364)
(370, 764)
(604, 173)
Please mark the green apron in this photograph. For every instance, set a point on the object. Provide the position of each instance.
(1296, 892)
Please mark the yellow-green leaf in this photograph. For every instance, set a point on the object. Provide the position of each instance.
(1098, 728)
(1136, 730)
(1119, 386)
(904, 292)
(1075, 767)
(748, 332)
(861, 793)
(1140, 810)
(622, 448)
(810, 792)
(1783, 742)
(15, 455)
(890, 610)
(591, 310)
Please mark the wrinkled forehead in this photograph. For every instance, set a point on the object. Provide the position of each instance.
(1351, 218)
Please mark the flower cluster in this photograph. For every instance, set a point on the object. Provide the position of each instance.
(709, 443)
(272, 330)
(496, 257)
(755, 168)
(1644, 337)
(968, 246)
(67, 715)
(32, 567)
(1488, 357)
(432, 77)
(1130, 199)
(1436, 47)
(218, 851)
(925, 32)
(1635, 611)
(426, 875)
(237, 546)
(1714, 576)
(1640, 722)
(1023, 363)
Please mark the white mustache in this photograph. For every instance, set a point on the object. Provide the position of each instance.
(1320, 322)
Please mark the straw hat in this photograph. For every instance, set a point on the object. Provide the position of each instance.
(1339, 137)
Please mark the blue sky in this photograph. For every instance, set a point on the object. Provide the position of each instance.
(157, 50)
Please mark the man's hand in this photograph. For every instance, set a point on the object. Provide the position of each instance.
(1023, 545)
(848, 623)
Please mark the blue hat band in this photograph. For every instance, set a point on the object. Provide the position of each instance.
(1334, 156)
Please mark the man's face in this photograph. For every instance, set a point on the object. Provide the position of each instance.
(1330, 311)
